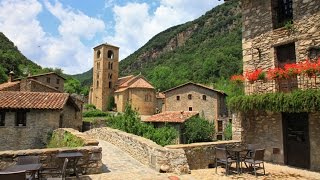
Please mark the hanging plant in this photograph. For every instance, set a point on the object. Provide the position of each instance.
(253, 76)
(276, 73)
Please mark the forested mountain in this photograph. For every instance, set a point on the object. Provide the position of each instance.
(11, 59)
(204, 51)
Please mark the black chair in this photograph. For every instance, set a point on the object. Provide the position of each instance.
(222, 157)
(257, 159)
(28, 160)
(62, 173)
(19, 175)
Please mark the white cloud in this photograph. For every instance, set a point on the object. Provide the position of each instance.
(18, 21)
(135, 25)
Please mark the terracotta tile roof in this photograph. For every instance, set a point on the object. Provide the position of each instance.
(196, 84)
(124, 79)
(141, 83)
(8, 85)
(160, 95)
(32, 100)
(133, 82)
(172, 116)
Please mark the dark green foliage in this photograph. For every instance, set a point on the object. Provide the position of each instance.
(212, 51)
(68, 140)
(230, 88)
(228, 132)
(297, 101)
(72, 85)
(90, 107)
(198, 129)
(111, 103)
(130, 122)
(95, 113)
(11, 59)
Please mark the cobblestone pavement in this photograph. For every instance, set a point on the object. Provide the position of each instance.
(121, 166)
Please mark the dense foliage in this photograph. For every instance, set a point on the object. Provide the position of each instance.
(95, 113)
(211, 51)
(68, 140)
(130, 122)
(198, 129)
(111, 103)
(297, 101)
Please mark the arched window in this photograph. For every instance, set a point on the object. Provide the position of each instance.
(98, 75)
(189, 96)
(110, 84)
(110, 76)
(110, 54)
(204, 97)
(97, 84)
(111, 65)
(98, 54)
(98, 65)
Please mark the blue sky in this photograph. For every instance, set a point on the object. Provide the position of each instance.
(62, 33)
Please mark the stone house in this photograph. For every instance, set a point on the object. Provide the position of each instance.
(276, 32)
(107, 84)
(48, 82)
(175, 119)
(27, 118)
(210, 103)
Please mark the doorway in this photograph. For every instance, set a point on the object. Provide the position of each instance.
(296, 139)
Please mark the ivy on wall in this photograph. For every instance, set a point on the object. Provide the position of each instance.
(296, 101)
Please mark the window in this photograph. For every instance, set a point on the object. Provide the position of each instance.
(97, 84)
(57, 87)
(178, 98)
(220, 126)
(282, 12)
(97, 75)
(2, 118)
(189, 96)
(98, 65)
(148, 98)
(204, 97)
(58, 81)
(110, 65)
(190, 108)
(110, 84)
(110, 54)
(21, 118)
(314, 53)
(48, 80)
(286, 54)
(110, 76)
(98, 54)
(219, 137)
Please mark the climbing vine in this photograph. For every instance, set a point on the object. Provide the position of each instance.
(297, 101)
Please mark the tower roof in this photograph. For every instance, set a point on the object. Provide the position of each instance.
(106, 44)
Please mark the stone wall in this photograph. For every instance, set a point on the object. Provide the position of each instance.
(260, 38)
(90, 162)
(137, 96)
(53, 82)
(39, 123)
(314, 134)
(144, 150)
(202, 155)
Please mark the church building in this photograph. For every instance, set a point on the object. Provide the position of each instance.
(106, 84)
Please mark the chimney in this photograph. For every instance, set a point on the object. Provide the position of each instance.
(11, 76)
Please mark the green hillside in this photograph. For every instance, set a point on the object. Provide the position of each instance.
(205, 50)
(11, 59)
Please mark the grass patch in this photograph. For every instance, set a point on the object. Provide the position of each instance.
(67, 140)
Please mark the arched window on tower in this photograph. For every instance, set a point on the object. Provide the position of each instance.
(97, 84)
(110, 84)
(111, 65)
(110, 54)
(98, 65)
(98, 54)
(110, 76)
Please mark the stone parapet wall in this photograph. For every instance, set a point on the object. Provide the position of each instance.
(202, 155)
(88, 140)
(145, 150)
(90, 162)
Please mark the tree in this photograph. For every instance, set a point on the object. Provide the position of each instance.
(198, 129)
(110, 103)
(228, 132)
(72, 86)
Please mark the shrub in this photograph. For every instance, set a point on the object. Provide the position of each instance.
(198, 129)
(68, 140)
(110, 104)
(228, 132)
(94, 113)
(130, 122)
(90, 106)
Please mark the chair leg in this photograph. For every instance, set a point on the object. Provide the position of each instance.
(216, 166)
(227, 169)
(255, 171)
(264, 171)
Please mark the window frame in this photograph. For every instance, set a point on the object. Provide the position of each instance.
(204, 97)
(178, 98)
(48, 80)
(23, 115)
(190, 96)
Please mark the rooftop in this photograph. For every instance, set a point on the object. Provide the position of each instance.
(172, 116)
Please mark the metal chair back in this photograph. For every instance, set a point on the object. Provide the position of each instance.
(259, 155)
(28, 160)
(221, 153)
(250, 147)
(19, 175)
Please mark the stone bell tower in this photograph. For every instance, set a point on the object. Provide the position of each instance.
(105, 74)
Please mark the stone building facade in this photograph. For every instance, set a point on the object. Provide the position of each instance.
(27, 118)
(210, 103)
(135, 90)
(276, 32)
